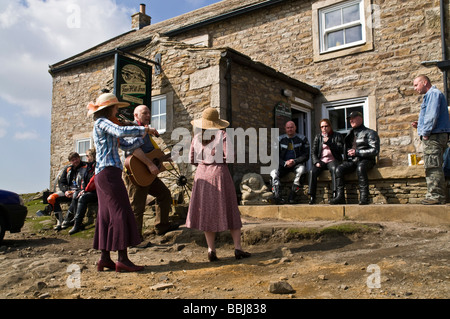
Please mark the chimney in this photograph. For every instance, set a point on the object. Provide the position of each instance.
(140, 19)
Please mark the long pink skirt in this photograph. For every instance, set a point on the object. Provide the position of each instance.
(213, 206)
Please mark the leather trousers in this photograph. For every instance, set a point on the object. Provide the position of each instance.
(315, 172)
(361, 167)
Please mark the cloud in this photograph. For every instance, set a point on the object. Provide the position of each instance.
(37, 33)
(30, 135)
(3, 126)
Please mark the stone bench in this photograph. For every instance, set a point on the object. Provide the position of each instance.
(387, 185)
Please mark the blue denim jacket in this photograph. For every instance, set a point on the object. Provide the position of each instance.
(433, 116)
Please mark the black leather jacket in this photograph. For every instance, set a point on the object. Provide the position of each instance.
(301, 148)
(367, 144)
(335, 143)
(71, 174)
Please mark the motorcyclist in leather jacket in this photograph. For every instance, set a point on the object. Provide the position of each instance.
(361, 148)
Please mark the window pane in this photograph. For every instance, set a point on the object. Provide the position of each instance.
(353, 34)
(333, 19)
(155, 108)
(83, 146)
(337, 118)
(335, 39)
(162, 106)
(162, 123)
(351, 13)
(155, 122)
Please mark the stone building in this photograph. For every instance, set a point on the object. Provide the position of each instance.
(317, 59)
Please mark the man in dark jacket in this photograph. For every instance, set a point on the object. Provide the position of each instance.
(70, 184)
(293, 154)
(361, 147)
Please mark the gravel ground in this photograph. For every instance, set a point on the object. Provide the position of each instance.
(303, 260)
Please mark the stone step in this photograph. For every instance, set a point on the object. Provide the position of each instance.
(430, 215)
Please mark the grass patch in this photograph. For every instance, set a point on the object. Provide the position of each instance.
(334, 230)
(45, 224)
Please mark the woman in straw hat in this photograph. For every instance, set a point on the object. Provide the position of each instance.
(116, 228)
(213, 206)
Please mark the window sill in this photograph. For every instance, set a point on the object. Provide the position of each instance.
(342, 52)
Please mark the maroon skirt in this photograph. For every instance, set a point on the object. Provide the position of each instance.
(116, 226)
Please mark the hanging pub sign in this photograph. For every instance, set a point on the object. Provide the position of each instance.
(283, 114)
(132, 84)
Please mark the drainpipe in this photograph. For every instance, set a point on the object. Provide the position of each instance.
(228, 79)
(444, 47)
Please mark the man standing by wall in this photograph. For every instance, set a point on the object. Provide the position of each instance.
(433, 128)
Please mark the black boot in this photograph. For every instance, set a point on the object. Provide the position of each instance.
(68, 220)
(78, 226)
(363, 196)
(276, 195)
(312, 200)
(339, 199)
(295, 190)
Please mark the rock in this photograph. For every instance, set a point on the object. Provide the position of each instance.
(41, 285)
(280, 287)
(162, 286)
(322, 277)
(286, 252)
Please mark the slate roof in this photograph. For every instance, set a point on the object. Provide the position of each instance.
(135, 38)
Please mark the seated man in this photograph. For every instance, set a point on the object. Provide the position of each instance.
(293, 154)
(361, 147)
(69, 185)
(87, 195)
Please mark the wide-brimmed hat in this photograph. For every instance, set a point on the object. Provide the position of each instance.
(103, 101)
(210, 120)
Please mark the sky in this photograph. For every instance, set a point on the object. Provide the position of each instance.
(33, 35)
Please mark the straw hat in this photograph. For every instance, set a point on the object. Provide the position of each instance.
(103, 101)
(210, 120)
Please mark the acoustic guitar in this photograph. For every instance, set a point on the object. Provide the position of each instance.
(138, 172)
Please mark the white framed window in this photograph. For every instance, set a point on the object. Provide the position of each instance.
(342, 26)
(82, 146)
(159, 113)
(337, 112)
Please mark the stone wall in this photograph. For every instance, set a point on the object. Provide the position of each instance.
(192, 78)
(387, 185)
(407, 34)
(72, 91)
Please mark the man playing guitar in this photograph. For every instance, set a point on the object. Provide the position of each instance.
(138, 194)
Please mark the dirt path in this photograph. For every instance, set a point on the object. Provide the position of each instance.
(317, 259)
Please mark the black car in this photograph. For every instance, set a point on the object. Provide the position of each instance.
(12, 213)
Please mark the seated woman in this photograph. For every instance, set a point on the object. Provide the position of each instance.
(326, 153)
